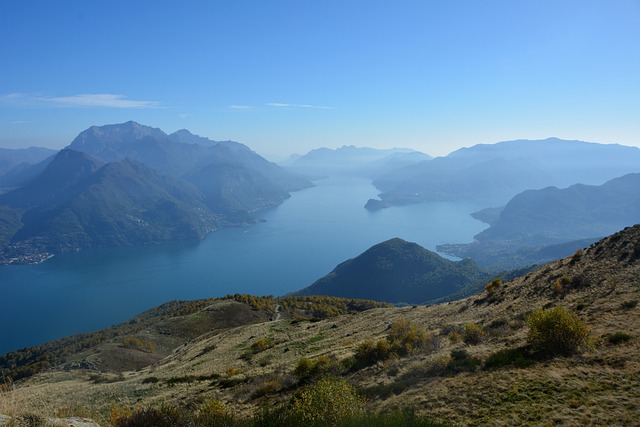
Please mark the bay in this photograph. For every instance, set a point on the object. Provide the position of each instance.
(300, 241)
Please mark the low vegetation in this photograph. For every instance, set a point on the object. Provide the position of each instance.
(294, 362)
(557, 332)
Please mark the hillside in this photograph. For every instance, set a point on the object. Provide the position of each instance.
(537, 226)
(80, 202)
(494, 173)
(399, 272)
(480, 375)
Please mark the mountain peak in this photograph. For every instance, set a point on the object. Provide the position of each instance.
(96, 138)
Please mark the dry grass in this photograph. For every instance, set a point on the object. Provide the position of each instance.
(598, 387)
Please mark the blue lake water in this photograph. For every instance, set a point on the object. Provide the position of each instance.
(301, 240)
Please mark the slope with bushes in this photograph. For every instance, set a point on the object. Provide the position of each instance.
(483, 360)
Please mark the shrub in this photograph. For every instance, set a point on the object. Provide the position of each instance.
(509, 357)
(261, 345)
(404, 338)
(455, 337)
(307, 369)
(618, 338)
(494, 286)
(462, 361)
(556, 332)
(472, 334)
(628, 305)
(137, 343)
(328, 401)
(577, 255)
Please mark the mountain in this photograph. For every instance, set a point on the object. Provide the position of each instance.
(80, 202)
(128, 184)
(494, 173)
(11, 158)
(351, 160)
(466, 363)
(397, 271)
(234, 190)
(538, 224)
(178, 154)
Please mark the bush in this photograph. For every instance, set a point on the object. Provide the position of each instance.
(618, 338)
(328, 401)
(509, 357)
(556, 332)
(494, 286)
(404, 339)
(472, 334)
(137, 343)
(307, 370)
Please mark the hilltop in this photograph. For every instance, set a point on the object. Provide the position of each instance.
(467, 375)
(397, 271)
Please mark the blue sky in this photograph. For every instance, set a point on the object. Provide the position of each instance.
(289, 76)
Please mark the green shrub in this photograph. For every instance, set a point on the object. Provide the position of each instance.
(556, 332)
(628, 305)
(328, 402)
(618, 338)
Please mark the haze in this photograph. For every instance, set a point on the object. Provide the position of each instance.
(289, 76)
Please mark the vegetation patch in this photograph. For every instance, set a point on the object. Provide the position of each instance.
(556, 332)
(515, 357)
(404, 338)
(618, 338)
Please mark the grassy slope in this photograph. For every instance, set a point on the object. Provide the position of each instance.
(600, 386)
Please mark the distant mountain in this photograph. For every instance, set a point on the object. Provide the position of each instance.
(397, 271)
(80, 202)
(495, 173)
(18, 166)
(568, 219)
(178, 154)
(11, 158)
(356, 161)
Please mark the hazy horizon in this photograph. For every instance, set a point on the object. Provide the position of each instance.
(285, 77)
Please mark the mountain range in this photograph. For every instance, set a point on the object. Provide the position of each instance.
(354, 161)
(132, 184)
(494, 173)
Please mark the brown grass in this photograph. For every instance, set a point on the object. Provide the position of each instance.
(600, 386)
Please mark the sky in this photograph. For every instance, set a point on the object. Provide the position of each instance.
(285, 77)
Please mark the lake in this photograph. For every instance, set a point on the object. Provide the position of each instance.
(300, 241)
